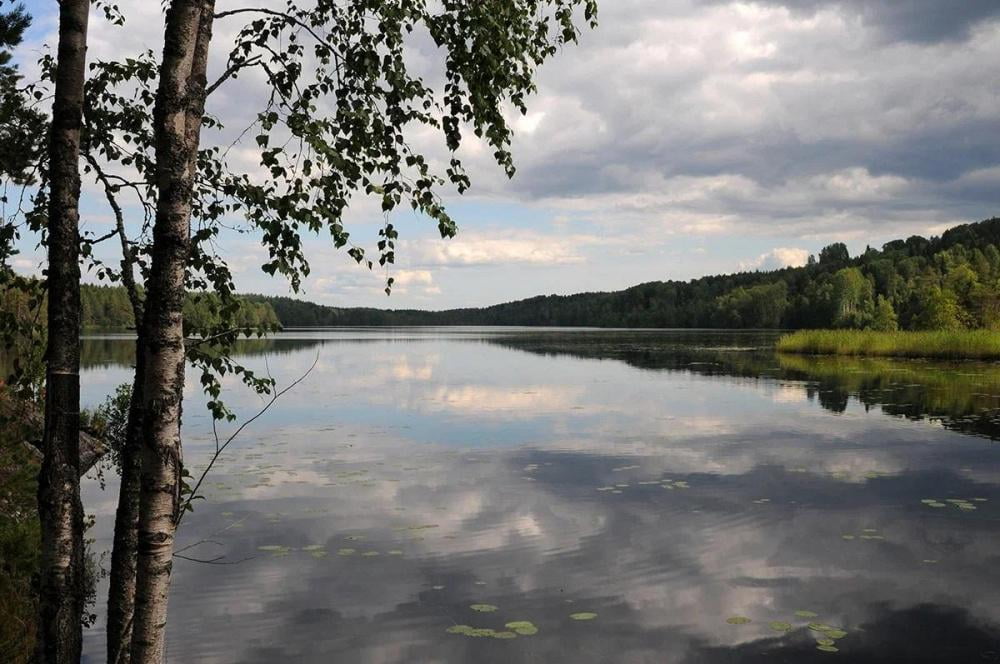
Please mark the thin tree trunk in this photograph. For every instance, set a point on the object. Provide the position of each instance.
(121, 586)
(61, 596)
(178, 115)
(124, 552)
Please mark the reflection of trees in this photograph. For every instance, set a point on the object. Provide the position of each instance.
(922, 634)
(963, 396)
(117, 351)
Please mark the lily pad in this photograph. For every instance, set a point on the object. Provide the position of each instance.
(583, 615)
(779, 626)
(483, 608)
(738, 620)
(835, 633)
(346, 552)
(522, 627)
(828, 648)
(468, 630)
(806, 614)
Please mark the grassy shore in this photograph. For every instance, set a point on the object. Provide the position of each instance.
(950, 345)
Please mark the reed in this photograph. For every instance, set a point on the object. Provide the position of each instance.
(940, 344)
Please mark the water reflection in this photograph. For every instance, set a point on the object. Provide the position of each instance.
(664, 481)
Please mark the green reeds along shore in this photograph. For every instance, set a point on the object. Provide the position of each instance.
(941, 344)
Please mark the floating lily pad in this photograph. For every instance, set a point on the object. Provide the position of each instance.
(483, 608)
(818, 627)
(313, 547)
(504, 635)
(825, 642)
(370, 554)
(779, 626)
(828, 648)
(522, 627)
(272, 548)
(835, 633)
(847, 537)
(806, 614)
(583, 615)
(468, 630)
(346, 552)
(738, 620)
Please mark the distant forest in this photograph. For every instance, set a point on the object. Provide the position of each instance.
(946, 282)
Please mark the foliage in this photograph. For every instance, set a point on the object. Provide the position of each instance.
(108, 307)
(22, 127)
(109, 422)
(941, 344)
(19, 532)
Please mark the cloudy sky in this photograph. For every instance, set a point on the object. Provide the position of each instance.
(680, 138)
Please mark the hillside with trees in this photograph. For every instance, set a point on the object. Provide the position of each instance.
(941, 283)
(946, 282)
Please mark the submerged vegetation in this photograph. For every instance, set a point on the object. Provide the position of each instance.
(936, 344)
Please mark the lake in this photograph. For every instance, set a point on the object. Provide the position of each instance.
(525, 495)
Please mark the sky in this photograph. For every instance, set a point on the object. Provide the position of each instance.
(678, 139)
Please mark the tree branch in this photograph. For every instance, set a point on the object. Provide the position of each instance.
(128, 258)
(222, 448)
(230, 71)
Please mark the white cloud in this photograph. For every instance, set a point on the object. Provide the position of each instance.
(776, 259)
(482, 249)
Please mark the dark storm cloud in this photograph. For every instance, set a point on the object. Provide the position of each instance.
(922, 21)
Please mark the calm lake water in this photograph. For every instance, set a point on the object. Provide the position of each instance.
(692, 496)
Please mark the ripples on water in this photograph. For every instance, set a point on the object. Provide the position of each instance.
(672, 483)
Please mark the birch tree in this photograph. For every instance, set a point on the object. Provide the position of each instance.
(342, 95)
(339, 107)
(61, 513)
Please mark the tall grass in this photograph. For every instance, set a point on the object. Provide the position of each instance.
(943, 344)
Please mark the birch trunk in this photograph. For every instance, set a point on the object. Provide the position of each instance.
(121, 585)
(178, 114)
(61, 591)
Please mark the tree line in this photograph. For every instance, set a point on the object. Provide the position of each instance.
(939, 283)
(108, 308)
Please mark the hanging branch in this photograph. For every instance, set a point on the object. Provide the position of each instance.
(219, 449)
(128, 257)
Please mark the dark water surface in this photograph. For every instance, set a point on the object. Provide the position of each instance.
(672, 483)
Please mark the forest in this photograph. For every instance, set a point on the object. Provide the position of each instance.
(949, 282)
(942, 283)
(108, 308)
